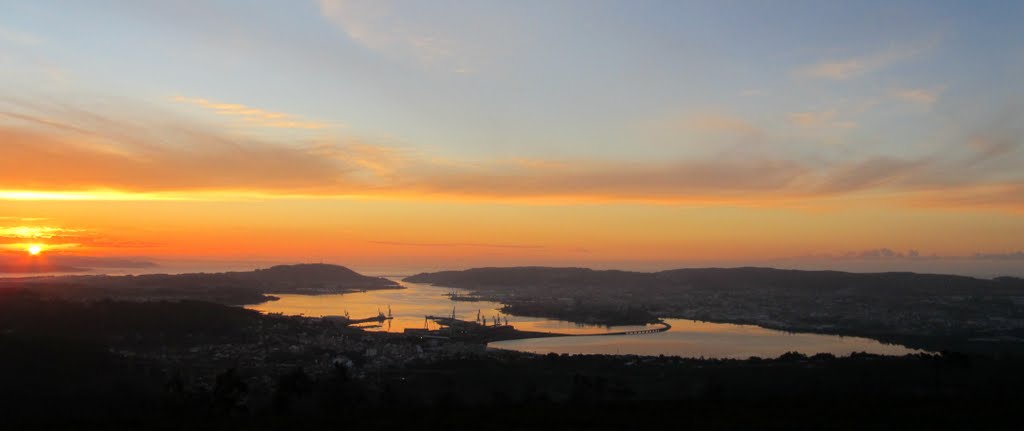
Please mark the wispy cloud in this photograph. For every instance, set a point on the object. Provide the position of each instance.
(813, 119)
(61, 238)
(378, 26)
(19, 238)
(36, 232)
(19, 37)
(721, 123)
(997, 195)
(869, 174)
(456, 244)
(922, 96)
(101, 157)
(380, 161)
(985, 148)
(852, 67)
(97, 153)
(253, 116)
(837, 69)
(212, 160)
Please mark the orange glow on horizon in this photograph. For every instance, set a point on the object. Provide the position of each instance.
(422, 141)
(794, 201)
(462, 234)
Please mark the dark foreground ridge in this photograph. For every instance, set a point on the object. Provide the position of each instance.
(928, 311)
(195, 365)
(233, 288)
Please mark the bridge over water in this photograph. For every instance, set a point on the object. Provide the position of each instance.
(476, 328)
(664, 327)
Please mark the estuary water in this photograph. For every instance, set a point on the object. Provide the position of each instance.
(688, 338)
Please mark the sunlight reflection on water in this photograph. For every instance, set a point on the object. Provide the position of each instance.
(691, 338)
(686, 338)
(409, 306)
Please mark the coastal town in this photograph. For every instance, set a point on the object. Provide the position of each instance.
(925, 311)
(189, 360)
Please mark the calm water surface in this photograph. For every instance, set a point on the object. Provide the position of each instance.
(686, 338)
(409, 306)
(690, 338)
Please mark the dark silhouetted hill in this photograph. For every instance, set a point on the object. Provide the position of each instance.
(727, 279)
(235, 288)
(312, 273)
(929, 311)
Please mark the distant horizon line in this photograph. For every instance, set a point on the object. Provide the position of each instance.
(6, 273)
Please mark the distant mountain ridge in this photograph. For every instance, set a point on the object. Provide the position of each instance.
(239, 287)
(724, 278)
(66, 264)
(308, 275)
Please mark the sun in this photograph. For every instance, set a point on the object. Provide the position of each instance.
(35, 249)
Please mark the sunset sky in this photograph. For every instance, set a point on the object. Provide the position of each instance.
(432, 134)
